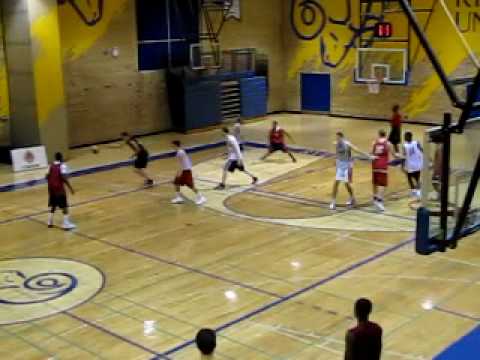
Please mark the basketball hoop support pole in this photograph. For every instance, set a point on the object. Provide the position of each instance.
(445, 179)
(472, 186)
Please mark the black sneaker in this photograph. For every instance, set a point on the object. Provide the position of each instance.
(219, 187)
(254, 180)
(149, 182)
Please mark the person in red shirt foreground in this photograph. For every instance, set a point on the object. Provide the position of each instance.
(364, 341)
(57, 196)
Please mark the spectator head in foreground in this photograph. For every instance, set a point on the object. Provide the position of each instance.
(206, 341)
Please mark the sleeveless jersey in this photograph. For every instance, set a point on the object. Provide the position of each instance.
(380, 150)
(413, 157)
(55, 180)
(276, 136)
(344, 151)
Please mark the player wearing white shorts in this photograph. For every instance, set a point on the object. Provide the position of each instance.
(413, 154)
(234, 160)
(344, 169)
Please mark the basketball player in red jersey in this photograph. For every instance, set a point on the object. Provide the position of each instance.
(382, 148)
(396, 128)
(57, 179)
(277, 141)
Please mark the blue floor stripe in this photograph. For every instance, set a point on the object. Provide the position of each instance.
(165, 155)
(466, 348)
(107, 167)
(293, 295)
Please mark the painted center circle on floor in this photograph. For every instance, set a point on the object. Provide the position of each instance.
(33, 288)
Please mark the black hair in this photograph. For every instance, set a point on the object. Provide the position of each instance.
(363, 308)
(408, 136)
(382, 133)
(124, 134)
(396, 107)
(225, 130)
(177, 143)
(59, 157)
(339, 133)
(206, 341)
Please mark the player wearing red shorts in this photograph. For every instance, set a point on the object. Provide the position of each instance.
(277, 141)
(57, 196)
(381, 151)
(184, 176)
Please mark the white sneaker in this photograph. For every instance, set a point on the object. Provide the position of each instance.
(379, 205)
(200, 200)
(178, 200)
(418, 194)
(67, 225)
(333, 206)
(351, 203)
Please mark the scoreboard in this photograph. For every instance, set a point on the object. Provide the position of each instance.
(383, 30)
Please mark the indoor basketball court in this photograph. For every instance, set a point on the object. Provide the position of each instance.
(249, 167)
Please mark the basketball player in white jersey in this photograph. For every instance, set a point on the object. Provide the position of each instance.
(234, 160)
(413, 155)
(184, 176)
(344, 166)
(237, 132)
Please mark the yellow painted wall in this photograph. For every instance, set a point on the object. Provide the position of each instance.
(107, 95)
(323, 41)
(4, 100)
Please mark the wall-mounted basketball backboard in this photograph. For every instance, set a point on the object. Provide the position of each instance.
(389, 65)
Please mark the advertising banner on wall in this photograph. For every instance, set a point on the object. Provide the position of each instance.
(32, 158)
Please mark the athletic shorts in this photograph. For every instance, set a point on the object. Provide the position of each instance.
(278, 147)
(380, 179)
(57, 200)
(344, 172)
(395, 135)
(233, 165)
(141, 162)
(185, 179)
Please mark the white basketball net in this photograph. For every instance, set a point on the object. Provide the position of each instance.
(373, 86)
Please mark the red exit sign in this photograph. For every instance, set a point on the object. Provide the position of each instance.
(383, 30)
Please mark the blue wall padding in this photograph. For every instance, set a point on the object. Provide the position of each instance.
(253, 96)
(202, 105)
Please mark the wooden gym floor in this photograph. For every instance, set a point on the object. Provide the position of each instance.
(269, 267)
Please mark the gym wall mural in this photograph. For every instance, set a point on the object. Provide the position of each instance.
(323, 36)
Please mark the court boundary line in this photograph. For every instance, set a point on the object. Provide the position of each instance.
(294, 294)
(9, 187)
(18, 185)
(457, 314)
(124, 339)
(170, 262)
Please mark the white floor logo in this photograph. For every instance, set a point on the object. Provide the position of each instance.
(33, 288)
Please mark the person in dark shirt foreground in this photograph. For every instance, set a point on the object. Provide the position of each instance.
(363, 342)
